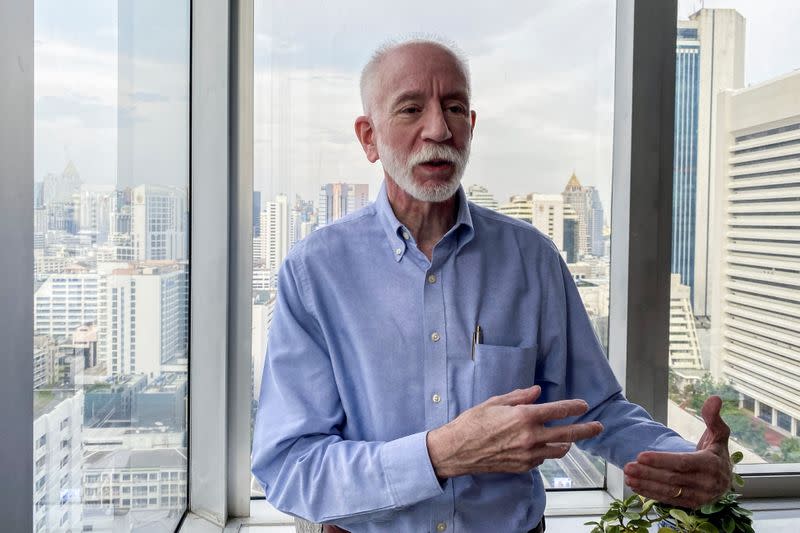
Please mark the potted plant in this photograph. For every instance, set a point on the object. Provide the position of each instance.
(637, 514)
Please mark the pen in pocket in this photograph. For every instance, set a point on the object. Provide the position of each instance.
(477, 338)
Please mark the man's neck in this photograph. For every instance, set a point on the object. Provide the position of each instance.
(427, 221)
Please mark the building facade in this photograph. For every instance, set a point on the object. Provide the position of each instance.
(757, 288)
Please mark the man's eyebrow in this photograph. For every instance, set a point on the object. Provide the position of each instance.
(417, 95)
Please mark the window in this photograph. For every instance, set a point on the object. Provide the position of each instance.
(735, 274)
(111, 120)
(310, 169)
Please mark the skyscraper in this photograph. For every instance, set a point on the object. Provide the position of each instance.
(143, 313)
(544, 211)
(256, 213)
(65, 302)
(159, 223)
(274, 239)
(756, 290)
(338, 199)
(596, 221)
(96, 204)
(571, 236)
(579, 198)
(709, 58)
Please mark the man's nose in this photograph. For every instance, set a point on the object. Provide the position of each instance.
(435, 126)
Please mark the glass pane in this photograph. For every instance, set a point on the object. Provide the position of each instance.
(533, 157)
(734, 313)
(111, 214)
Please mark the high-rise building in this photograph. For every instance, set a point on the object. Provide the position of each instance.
(159, 223)
(571, 236)
(96, 204)
(544, 211)
(580, 198)
(263, 309)
(709, 59)
(685, 359)
(274, 239)
(480, 195)
(518, 206)
(596, 222)
(59, 188)
(143, 312)
(339, 199)
(302, 220)
(756, 305)
(256, 214)
(65, 302)
(57, 460)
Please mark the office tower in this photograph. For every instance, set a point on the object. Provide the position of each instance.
(162, 403)
(65, 302)
(544, 211)
(59, 188)
(159, 223)
(256, 213)
(63, 215)
(302, 220)
(596, 223)
(709, 59)
(274, 239)
(339, 199)
(110, 403)
(757, 287)
(684, 349)
(57, 460)
(479, 195)
(96, 205)
(571, 236)
(143, 312)
(579, 197)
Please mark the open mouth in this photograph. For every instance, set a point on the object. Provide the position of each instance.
(436, 163)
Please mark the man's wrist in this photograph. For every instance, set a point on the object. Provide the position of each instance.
(437, 441)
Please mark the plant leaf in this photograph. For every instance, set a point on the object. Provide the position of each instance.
(736, 457)
(681, 516)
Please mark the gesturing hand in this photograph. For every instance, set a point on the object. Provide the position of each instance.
(687, 479)
(507, 434)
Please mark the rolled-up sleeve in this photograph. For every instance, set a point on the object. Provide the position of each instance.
(299, 456)
(573, 364)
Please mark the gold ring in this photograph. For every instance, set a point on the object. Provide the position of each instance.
(678, 494)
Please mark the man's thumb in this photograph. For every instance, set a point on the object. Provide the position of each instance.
(713, 419)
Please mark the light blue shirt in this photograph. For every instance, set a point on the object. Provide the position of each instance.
(370, 348)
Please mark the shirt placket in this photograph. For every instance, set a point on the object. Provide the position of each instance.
(436, 389)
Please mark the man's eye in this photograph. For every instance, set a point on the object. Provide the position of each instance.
(457, 109)
(410, 110)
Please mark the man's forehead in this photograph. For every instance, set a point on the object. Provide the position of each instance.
(414, 67)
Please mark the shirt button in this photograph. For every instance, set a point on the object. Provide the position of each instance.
(441, 526)
(406, 235)
(398, 251)
(431, 279)
(435, 336)
(436, 398)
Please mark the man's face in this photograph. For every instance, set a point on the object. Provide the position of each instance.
(423, 122)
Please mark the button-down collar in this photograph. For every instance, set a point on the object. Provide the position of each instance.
(400, 237)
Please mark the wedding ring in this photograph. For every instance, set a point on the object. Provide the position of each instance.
(678, 493)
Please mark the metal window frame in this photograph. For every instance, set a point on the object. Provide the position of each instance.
(16, 264)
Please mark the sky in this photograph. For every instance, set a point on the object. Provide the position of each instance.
(542, 75)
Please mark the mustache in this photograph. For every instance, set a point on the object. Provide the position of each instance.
(430, 152)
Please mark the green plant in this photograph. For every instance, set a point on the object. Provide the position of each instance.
(636, 514)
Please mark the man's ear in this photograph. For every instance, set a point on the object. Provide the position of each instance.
(366, 136)
(472, 116)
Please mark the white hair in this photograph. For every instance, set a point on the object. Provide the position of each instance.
(368, 73)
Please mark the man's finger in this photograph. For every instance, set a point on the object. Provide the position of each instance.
(571, 433)
(546, 412)
(667, 477)
(676, 462)
(516, 397)
(713, 419)
(664, 493)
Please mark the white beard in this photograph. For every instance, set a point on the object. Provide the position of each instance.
(402, 172)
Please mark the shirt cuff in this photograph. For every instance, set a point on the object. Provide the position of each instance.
(409, 471)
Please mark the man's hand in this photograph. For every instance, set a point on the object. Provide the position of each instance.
(687, 479)
(507, 434)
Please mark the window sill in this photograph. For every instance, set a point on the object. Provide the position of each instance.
(566, 511)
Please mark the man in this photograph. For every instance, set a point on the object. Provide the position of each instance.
(426, 354)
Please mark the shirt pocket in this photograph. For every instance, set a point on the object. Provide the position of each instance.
(501, 369)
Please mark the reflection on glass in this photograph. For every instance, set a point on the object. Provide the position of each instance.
(734, 313)
(541, 152)
(110, 265)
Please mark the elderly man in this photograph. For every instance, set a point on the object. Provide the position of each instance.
(426, 354)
